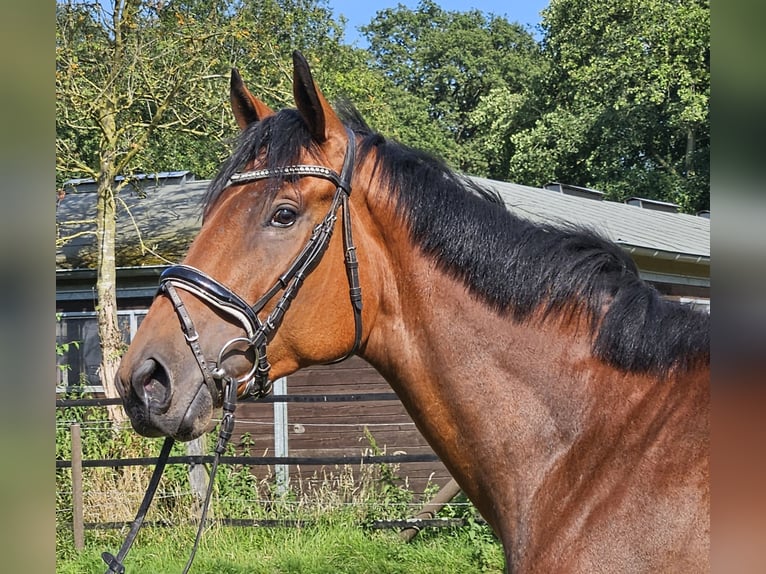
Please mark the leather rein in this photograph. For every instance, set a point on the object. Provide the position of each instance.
(223, 387)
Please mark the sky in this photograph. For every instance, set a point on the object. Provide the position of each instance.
(360, 12)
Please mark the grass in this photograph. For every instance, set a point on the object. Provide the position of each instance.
(332, 546)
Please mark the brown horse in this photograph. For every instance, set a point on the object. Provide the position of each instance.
(568, 399)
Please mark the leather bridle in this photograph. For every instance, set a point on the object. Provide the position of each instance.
(223, 387)
(260, 332)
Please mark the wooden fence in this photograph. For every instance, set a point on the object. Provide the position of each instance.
(327, 415)
(304, 431)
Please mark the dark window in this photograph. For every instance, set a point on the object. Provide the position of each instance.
(78, 365)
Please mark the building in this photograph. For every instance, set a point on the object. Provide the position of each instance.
(672, 251)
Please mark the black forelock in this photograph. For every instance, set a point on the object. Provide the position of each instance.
(283, 138)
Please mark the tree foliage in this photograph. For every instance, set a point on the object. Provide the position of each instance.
(625, 101)
(615, 96)
(460, 65)
(164, 68)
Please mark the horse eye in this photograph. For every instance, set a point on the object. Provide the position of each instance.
(284, 217)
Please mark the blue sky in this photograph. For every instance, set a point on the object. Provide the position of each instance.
(360, 12)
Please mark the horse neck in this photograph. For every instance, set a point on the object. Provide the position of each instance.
(459, 368)
(501, 402)
(440, 347)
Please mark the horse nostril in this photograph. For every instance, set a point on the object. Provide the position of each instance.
(151, 383)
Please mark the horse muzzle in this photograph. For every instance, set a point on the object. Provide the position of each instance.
(150, 382)
(156, 409)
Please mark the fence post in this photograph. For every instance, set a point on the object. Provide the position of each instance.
(198, 477)
(77, 509)
(280, 435)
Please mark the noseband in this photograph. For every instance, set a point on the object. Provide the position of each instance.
(259, 333)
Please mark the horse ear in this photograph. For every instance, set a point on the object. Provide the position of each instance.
(315, 109)
(246, 107)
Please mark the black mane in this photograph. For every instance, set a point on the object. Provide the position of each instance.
(515, 266)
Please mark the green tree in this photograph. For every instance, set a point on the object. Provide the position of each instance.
(460, 64)
(624, 107)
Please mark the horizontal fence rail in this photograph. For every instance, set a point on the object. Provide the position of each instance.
(286, 523)
(346, 398)
(255, 460)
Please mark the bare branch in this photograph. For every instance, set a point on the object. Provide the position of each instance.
(61, 241)
(142, 245)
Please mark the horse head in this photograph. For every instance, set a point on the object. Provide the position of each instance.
(267, 234)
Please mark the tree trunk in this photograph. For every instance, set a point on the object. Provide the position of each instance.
(106, 285)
